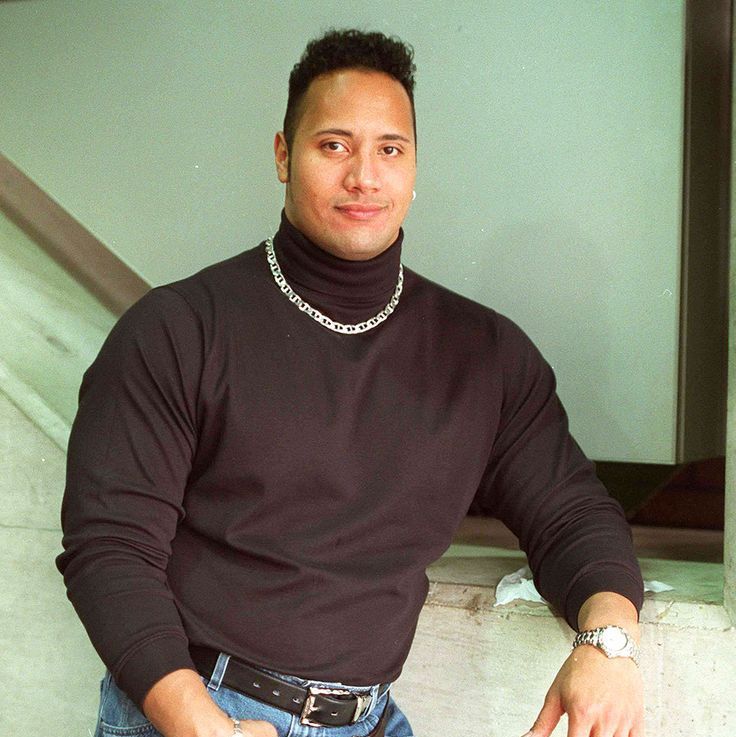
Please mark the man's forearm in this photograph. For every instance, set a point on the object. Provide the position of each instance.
(606, 608)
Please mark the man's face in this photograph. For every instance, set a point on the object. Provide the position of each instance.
(350, 172)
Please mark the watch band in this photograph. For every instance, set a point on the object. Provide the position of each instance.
(613, 641)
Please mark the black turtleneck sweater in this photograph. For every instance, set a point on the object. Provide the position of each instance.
(243, 478)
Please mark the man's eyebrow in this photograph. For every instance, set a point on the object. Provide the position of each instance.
(334, 132)
(394, 137)
(349, 134)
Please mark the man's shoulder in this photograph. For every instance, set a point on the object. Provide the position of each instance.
(223, 282)
(201, 297)
(220, 277)
(476, 331)
(456, 309)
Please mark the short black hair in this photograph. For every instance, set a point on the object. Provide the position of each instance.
(348, 49)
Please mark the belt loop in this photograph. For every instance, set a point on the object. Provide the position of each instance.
(378, 694)
(219, 672)
(374, 700)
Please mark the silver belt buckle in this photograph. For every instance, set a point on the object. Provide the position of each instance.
(314, 691)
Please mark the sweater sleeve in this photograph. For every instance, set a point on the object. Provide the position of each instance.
(130, 453)
(541, 485)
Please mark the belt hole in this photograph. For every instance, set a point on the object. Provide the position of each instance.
(297, 700)
(333, 713)
(256, 685)
(276, 692)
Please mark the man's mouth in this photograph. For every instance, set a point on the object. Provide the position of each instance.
(359, 211)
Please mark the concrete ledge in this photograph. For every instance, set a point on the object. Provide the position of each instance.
(480, 669)
(466, 578)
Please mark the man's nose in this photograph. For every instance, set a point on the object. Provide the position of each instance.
(363, 173)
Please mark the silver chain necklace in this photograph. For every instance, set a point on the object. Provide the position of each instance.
(315, 314)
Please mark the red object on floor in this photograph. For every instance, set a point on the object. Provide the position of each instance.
(693, 497)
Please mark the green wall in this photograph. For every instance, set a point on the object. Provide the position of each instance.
(550, 140)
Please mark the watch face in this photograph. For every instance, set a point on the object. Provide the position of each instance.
(613, 639)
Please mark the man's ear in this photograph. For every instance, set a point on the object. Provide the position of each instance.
(281, 154)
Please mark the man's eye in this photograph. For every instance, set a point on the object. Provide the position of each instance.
(391, 150)
(333, 146)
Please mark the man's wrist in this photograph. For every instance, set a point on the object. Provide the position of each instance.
(225, 726)
(613, 641)
(179, 705)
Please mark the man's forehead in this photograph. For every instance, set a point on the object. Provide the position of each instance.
(347, 100)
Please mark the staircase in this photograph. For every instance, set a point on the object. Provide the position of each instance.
(50, 330)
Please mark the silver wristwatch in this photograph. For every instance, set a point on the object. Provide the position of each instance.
(613, 641)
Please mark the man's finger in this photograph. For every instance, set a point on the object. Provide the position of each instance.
(638, 729)
(579, 727)
(623, 732)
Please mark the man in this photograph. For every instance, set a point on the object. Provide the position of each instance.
(268, 455)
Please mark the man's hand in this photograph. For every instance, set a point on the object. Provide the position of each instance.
(602, 697)
(253, 728)
(257, 729)
(179, 705)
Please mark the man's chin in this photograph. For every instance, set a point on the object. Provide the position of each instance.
(357, 248)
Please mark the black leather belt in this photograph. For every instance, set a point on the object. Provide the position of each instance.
(316, 706)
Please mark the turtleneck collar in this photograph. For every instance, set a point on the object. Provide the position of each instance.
(346, 291)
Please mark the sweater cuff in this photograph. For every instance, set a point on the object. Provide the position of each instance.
(615, 581)
(149, 663)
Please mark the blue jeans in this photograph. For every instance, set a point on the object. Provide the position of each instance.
(119, 716)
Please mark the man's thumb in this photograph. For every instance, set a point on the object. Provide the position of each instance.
(547, 719)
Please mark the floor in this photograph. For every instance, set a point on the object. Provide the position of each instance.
(46, 655)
